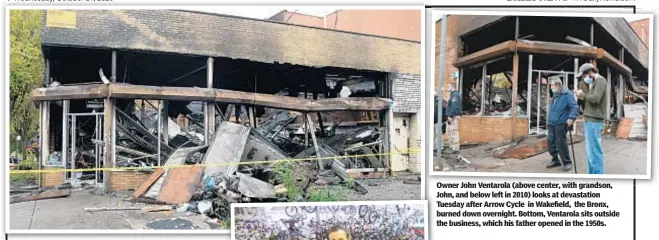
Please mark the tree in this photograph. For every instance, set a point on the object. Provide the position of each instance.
(25, 70)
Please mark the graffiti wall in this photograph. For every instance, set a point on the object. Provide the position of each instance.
(359, 222)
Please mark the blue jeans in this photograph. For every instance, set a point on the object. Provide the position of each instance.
(593, 131)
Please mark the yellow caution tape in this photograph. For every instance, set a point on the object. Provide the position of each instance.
(416, 150)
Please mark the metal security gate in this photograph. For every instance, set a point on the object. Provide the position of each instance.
(539, 94)
(76, 121)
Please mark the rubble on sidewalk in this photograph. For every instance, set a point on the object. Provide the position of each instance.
(247, 164)
(528, 146)
(60, 191)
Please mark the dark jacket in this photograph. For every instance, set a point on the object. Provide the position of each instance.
(594, 102)
(454, 105)
(563, 107)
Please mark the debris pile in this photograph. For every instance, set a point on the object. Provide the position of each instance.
(276, 161)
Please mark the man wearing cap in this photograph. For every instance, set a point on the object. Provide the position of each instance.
(563, 111)
(453, 112)
(591, 91)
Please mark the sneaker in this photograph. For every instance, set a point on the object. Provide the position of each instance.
(567, 166)
(553, 164)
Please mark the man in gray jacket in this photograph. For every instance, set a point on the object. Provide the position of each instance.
(592, 91)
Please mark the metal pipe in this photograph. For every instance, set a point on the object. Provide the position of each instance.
(113, 78)
(84, 114)
(159, 130)
(185, 75)
(483, 83)
(207, 107)
(537, 115)
(165, 121)
(440, 86)
(608, 93)
(552, 72)
(576, 85)
(516, 28)
(529, 89)
(73, 144)
(460, 81)
(364, 145)
(65, 134)
(97, 148)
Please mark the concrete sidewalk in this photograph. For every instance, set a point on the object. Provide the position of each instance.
(68, 213)
(623, 157)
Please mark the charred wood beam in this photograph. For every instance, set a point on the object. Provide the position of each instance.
(128, 91)
(486, 54)
(540, 47)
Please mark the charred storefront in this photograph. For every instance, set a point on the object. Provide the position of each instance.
(130, 90)
(503, 66)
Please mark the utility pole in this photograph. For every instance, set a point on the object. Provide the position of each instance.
(442, 50)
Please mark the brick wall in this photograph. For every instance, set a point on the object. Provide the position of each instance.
(452, 52)
(406, 92)
(642, 29)
(402, 24)
(233, 37)
(479, 129)
(127, 180)
(415, 143)
(49, 179)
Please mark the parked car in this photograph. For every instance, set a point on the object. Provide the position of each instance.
(13, 162)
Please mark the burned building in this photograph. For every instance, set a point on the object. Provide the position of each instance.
(129, 89)
(503, 64)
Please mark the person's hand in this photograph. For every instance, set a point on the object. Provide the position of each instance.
(578, 92)
(570, 122)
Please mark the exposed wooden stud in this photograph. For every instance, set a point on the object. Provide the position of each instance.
(313, 139)
(252, 118)
(108, 115)
(515, 79)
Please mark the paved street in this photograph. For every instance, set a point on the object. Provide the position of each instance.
(620, 157)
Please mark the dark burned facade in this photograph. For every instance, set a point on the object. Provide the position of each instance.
(130, 88)
(503, 65)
